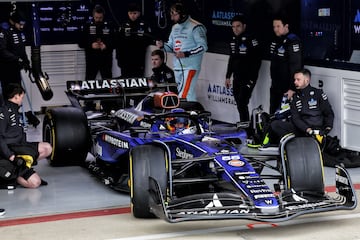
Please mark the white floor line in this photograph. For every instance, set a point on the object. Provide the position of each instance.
(243, 227)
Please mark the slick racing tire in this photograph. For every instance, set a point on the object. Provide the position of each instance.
(146, 161)
(66, 129)
(304, 165)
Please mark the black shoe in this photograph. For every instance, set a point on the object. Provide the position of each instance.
(2, 211)
(32, 119)
(43, 182)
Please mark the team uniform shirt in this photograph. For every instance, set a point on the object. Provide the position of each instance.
(310, 108)
(97, 59)
(286, 59)
(245, 59)
(11, 129)
(164, 74)
(133, 38)
(12, 47)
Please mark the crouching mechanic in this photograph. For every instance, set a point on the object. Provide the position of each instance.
(13, 144)
(310, 110)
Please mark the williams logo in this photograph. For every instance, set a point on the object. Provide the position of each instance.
(357, 22)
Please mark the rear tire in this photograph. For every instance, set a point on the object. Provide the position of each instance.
(146, 161)
(66, 129)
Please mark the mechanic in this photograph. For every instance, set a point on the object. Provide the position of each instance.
(310, 110)
(188, 42)
(244, 64)
(285, 58)
(96, 39)
(13, 144)
(13, 57)
(133, 38)
(161, 72)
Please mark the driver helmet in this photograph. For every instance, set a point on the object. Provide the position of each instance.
(177, 124)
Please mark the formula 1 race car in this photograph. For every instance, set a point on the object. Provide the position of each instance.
(178, 166)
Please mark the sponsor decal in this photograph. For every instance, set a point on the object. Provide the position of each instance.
(306, 205)
(341, 179)
(264, 196)
(215, 203)
(357, 22)
(222, 18)
(183, 154)
(115, 141)
(263, 190)
(236, 163)
(145, 124)
(113, 83)
(177, 46)
(221, 94)
(127, 116)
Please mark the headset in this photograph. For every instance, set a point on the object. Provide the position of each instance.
(181, 10)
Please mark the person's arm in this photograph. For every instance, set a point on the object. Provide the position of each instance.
(199, 35)
(327, 111)
(5, 54)
(5, 152)
(255, 58)
(295, 58)
(296, 118)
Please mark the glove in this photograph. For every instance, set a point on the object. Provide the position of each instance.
(327, 130)
(24, 64)
(18, 161)
(27, 159)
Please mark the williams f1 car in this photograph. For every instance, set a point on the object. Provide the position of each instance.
(178, 166)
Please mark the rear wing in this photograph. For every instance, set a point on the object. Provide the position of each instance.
(110, 89)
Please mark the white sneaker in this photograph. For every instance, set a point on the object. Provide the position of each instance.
(2, 211)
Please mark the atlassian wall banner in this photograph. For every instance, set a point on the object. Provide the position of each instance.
(219, 100)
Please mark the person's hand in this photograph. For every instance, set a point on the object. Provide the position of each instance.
(12, 157)
(179, 54)
(102, 46)
(227, 83)
(95, 45)
(327, 130)
(24, 64)
(290, 93)
(159, 43)
(309, 131)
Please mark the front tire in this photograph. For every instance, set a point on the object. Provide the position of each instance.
(146, 161)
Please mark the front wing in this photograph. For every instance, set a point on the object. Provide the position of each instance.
(213, 206)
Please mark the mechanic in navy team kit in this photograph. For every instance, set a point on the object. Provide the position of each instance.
(188, 42)
(17, 156)
(161, 72)
(133, 38)
(13, 57)
(310, 109)
(244, 63)
(97, 40)
(285, 58)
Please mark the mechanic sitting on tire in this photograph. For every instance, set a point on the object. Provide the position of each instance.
(310, 110)
(16, 154)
